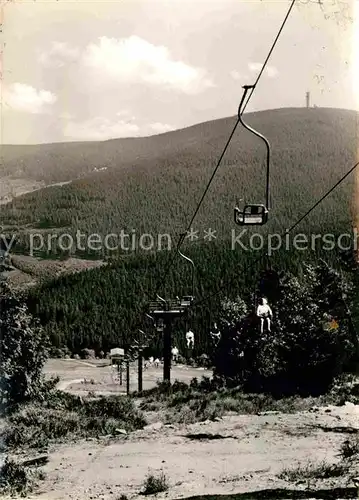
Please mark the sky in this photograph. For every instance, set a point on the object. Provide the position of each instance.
(85, 70)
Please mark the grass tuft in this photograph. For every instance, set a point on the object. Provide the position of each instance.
(321, 470)
(154, 485)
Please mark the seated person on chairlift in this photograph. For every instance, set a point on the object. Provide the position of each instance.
(190, 339)
(264, 312)
(215, 334)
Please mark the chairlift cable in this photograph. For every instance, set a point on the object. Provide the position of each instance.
(206, 299)
(238, 120)
(183, 235)
(269, 54)
(323, 198)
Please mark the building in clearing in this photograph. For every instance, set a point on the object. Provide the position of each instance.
(116, 355)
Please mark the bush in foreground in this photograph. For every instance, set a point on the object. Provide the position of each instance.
(312, 339)
(207, 399)
(24, 350)
(349, 450)
(15, 479)
(154, 485)
(64, 416)
(311, 470)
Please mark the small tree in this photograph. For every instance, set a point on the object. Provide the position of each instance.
(301, 354)
(233, 311)
(227, 355)
(310, 354)
(23, 351)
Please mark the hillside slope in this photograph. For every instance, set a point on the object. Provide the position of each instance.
(152, 185)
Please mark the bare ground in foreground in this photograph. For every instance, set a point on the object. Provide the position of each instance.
(233, 455)
(246, 456)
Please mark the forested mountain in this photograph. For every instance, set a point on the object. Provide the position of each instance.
(105, 307)
(151, 185)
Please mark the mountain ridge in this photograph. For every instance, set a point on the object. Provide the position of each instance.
(43, 162)
(153, 184)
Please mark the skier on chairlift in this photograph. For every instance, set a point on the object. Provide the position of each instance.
(264, 312)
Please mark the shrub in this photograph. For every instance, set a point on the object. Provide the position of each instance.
(350, 449)
(88, 354)
(181, 360)
(24, 348)
(64, 415)
(204, 361)
(301, 355)
(154, 485)
(322, 470)
(14, 479)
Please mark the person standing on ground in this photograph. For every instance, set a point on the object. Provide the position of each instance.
(175, 353)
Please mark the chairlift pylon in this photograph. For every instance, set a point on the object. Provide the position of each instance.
(159, 323)
(253, 214)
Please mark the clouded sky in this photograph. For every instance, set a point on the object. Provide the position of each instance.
(85, 70)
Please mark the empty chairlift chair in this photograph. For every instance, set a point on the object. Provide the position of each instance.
(253, 214)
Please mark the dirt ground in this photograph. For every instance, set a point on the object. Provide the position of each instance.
(233, 455)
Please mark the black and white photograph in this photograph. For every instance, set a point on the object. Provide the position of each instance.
(179, 249)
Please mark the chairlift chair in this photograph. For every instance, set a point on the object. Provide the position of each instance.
(158, 322)
(180, 303)
(159, 325)
(187, 300)
(253, 214)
